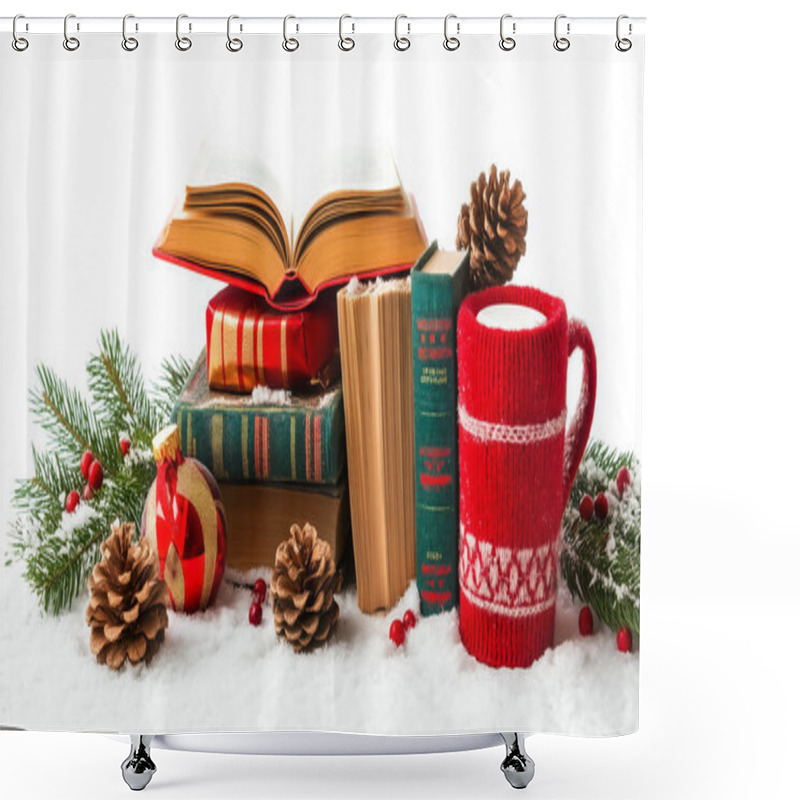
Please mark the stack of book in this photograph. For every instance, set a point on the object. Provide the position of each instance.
(263, 408)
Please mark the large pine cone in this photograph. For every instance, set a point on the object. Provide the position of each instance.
(493, 227)
(302, 587)
(128, 605)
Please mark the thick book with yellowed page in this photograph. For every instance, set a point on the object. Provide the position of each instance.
(378, 387)
(259, 519)
(250, 236)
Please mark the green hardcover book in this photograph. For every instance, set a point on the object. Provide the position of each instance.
(439, 282)
(263, 437)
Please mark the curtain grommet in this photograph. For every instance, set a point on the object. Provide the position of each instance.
(129, 43)
(346, 43)
(183, 43)
(451, 43)
(234, 44)
(289, 44)
(561, 43)
(507, 43)
(401, 43)
(71, 43)
(19, 43)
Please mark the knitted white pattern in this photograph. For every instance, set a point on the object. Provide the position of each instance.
(507, 581)
(511, 434)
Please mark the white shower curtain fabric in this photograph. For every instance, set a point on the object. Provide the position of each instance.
(98, 146)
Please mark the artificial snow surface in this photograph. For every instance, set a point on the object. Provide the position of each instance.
(216, 672)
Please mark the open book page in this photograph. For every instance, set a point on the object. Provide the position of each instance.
(243, 185)
(341, 175)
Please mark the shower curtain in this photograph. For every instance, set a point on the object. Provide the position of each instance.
(319, 375)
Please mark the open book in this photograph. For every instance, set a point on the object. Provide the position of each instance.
(342, 220)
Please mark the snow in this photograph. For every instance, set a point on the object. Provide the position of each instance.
(216, 672)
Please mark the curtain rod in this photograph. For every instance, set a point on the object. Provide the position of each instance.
(462, 26)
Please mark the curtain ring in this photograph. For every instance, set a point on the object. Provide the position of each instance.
(290, 44)
(129, 43)
(19, 43)
(623, 44)
(507, 42)
(182, 42)
(346, 42)
(71, 43)
(561, 43)
(401, 42)
(451, 42)
(233, 44)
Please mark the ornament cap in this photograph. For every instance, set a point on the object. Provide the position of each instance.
(167, 444)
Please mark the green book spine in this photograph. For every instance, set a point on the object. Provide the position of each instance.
(302, 442)
(435, 299)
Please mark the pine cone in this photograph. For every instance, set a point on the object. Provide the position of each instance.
(493, 227)
(302, 587)
(128, 605)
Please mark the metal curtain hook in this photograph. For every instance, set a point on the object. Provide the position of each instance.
(290, 44)
(346, 42)
(623, 44)
(561, 43)
(507, 42)
(401, 42)
(233, 44)
(451, 42)
(181, 42)
(19, 43)
(70, 42)
(129, 43)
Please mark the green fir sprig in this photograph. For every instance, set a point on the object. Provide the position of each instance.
(600, 558)
(59, 549)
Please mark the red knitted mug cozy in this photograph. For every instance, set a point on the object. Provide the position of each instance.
(516, 468)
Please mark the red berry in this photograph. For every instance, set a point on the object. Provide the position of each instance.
(96, 475)
(409, 620)
(624, 640)
(88, 492)
(255, 614)
(260, 590)
(623, 480)
(86, 461)
(125, 446)
(73, 498)
(586, 621)
(601, 506)
(586, 508)
(397, 633)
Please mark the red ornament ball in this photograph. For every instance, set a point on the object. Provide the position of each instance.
(409, 619)
(95, 475)
(624, 640)
(397, 633)
(86, 462)
(88, 492)
(255, 614)
(125, 446)
(586, 621)
(73, 498)
(586, 508)
(601, 506)
(623, 480)
(260, 590)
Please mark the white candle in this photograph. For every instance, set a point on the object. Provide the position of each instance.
(510, 317)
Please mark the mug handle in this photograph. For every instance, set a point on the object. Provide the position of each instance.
(578, 433)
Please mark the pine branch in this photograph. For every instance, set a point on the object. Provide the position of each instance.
(174, 374)
(59, 549)
(600, 558)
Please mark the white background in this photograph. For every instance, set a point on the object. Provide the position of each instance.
(720, 603)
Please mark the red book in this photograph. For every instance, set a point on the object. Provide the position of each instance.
(235, 231)
(251, 344)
